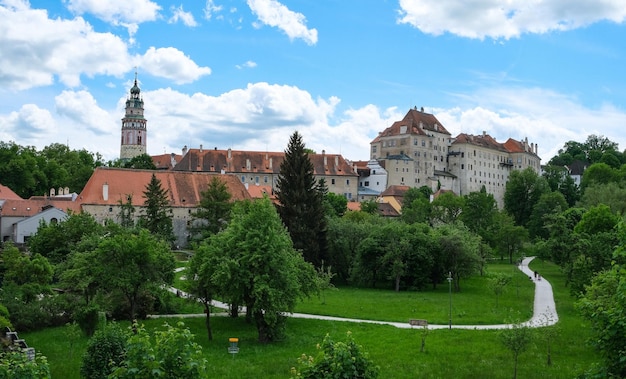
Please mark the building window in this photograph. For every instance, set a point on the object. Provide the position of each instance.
(256, 179)
(367, 184)
(347, 182)
(373, 149)
(265, 179)
(332, 181)
(243, 179)
(462, 166)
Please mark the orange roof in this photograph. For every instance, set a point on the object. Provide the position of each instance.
(396, 191)
(258, 192)
(183, 188)
(33, 206)
(484, 140)
(237, 161)
(164, 161)
(354, 206)
(416, 122)
(7, 194)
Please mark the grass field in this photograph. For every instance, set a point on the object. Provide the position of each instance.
(448, 353)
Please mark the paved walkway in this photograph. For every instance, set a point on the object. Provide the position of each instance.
(544, 310)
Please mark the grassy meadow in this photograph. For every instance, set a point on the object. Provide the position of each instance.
(448, 353)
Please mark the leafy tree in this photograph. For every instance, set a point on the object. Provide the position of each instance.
(15, 364)
(369, 207)
(558, 179)
(337, 204)
(509, 238)
(324, 281)
(214, 209)
(105, 350)
(498, 282)
(548, 203)
(141, 162)
(460, 252)
(611, 194)
(516, 339)
(599, 173)
(201, 282)
(127, 212)
(604, 306)
(336, 360)
(250, 249)
(172, 354)
(344, 236)
(416, 206)
(131, 264)
(479, 213)
(55, 241)
(446, 208)
(157, 218)
(301, 203)
(523, 191)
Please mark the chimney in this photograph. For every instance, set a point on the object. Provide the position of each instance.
(336, 160)
(200, 148)
(184, 150)
(230, 153)
(105, 191)
(271, 168)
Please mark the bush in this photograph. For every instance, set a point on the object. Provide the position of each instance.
(105, 350)
(14, 364)
(87, 318)
(336, 360)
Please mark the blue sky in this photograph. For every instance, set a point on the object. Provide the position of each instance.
(246, 74)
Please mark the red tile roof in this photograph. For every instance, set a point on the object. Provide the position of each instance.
(237, 161)
(183, 188)
(7, 194)
(484, 140)
(396, 191)
(33, 206)
(164, 161)
(416, 122)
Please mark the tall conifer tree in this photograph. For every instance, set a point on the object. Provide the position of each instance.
(157, 218)
(301, 202)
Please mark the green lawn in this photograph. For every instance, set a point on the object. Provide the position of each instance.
(449, 353)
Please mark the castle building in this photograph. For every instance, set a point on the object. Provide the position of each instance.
(134, 132)
(418, 151)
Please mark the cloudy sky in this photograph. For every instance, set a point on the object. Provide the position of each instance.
(246, 74)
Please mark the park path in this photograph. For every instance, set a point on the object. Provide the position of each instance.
(544, 309)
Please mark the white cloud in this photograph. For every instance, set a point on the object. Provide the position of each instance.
(82, 109)
(118, 12)
(34, 56)
(548, 119)
(27, 126)
(506, 19)
(273, 13)
(171, 63)
(210, 9)
(178, 14)
(248, 64)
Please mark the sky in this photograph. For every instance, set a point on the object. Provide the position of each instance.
(246, 74)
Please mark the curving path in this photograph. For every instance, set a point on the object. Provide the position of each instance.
(544, 309)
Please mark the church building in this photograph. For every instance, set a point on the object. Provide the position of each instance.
(134, 133)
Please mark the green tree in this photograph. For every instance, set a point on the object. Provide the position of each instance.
(516, 339)
(301, 203)
(604, 306)
(250, 249)
(548, 203)
(214, 209)
(344, 236)
(141, 162)
(131, 264)
(127, 212)
(498, 282)
(611, 194)
(336, 360)
(15, 364)
(369, 207)
(509, 237)
(55, 241)
(416, 206)
(479, 213)
(105, 350)
(170, 354)
(523, 191)
(599, 173)
(460, 251)
(157, 218)
(446, 208)
(337, 204)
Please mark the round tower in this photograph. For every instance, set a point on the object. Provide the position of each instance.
(134, 133)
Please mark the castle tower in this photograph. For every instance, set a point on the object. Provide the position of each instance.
(134, 133)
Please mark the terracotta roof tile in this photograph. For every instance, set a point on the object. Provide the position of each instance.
(416, 123)
(7, 194)
(183, 188)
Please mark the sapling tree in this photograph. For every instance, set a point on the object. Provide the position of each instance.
(516, 339)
